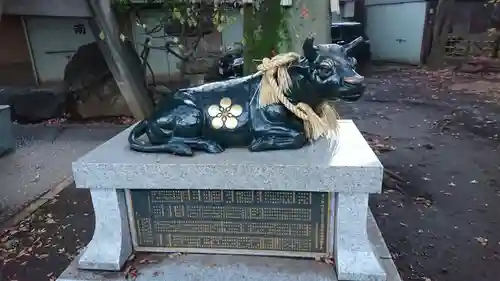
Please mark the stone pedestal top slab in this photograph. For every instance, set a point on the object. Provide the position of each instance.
(351, 166)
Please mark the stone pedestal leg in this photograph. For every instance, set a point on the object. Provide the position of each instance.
(111, 244)
(354, 255)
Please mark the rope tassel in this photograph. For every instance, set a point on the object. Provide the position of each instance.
(274, 90)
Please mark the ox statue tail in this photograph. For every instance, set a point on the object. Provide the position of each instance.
(142, 146)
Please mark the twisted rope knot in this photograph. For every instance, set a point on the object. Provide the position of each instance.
(276, 84)
(277, 61)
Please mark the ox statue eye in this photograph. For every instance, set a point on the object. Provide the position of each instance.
(325, 70)
(327, 67)
(328, 63)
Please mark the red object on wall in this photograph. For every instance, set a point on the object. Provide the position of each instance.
(304, 12)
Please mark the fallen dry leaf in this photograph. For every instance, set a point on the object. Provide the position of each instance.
(173, 255)
(147, 261)
(482, 240)
(327, 259)
(131, 273)
(42, 256)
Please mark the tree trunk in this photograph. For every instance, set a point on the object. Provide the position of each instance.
(316, 21)
(495, 25)
(496, 47)
(440, 33)
(184, 41)
(249, 25)
(261, 26)
(2, 2)
(269, 28)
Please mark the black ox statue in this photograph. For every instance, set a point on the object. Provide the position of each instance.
(283, 106)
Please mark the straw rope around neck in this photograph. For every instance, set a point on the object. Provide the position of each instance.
(274, 90)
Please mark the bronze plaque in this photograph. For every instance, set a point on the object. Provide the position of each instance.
(231, 219)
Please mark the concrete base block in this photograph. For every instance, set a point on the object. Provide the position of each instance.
(195, 267)
(7, 140)
(354, 253)
(111, 244)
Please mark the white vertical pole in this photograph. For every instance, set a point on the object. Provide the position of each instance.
(30, 50)
(335, 10)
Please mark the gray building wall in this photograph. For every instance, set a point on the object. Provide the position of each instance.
(388, 2)
(396, 29)
(56, 8)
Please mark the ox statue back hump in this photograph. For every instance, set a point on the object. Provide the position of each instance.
(240, 113)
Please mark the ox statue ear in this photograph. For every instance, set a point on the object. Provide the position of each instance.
(310, 51)
(347, 47)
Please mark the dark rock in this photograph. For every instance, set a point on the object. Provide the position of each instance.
(36, 105)
(86, 69)
(6, 93)
(93, 90)
(106, 101)
(200, 65)
(195, 79)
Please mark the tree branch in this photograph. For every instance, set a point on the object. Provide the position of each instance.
(185, 56)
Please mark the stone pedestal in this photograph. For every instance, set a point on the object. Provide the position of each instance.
(349, 174)
(7, 140)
